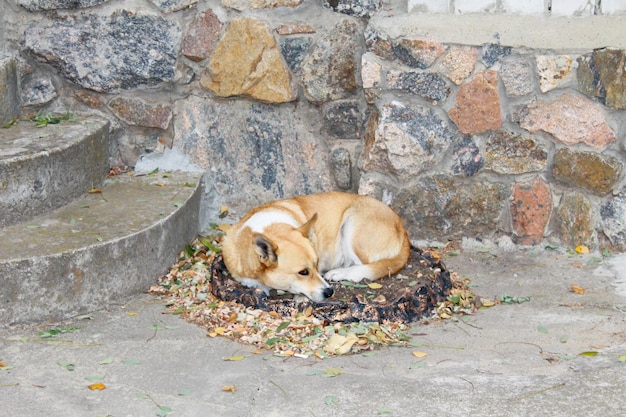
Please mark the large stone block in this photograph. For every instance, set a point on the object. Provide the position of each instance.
(329, 71)
(9, 96)
(588, 170)
(252, 152)
(405, 140)
(247, 62)
(441, 207)
(125, 50)
(578, 121)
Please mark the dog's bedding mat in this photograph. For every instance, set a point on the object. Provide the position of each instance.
(358, 317)
(402, 298)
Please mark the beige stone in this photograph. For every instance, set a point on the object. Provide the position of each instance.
(458, 63)
(552, 70)
(259, 4)
(247, 62)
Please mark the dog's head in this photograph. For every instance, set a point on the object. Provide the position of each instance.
(288, 261)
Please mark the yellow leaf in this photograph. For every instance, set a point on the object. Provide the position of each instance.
(132, 313)
(160, 184)
(487, 303)
(229, 388)
(577, 290)
(97, 386)
(374, 285)
(94, 191)
(419, 354)
(220, 331)
(2, 365)
(235, 358)
(582, 249)
(340, 345)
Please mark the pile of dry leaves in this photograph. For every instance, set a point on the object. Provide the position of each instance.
(187, 291)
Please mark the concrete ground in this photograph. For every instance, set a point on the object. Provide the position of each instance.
(509, 360)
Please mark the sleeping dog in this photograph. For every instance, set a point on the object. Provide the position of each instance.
(299, 244)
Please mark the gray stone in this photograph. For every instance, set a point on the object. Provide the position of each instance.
(344, 118)
(37, 5)
(329, 71)
(467, 157)
(125, 50)
(517, 76)
(169, 6)
(9, 96)
(39, 91)
(341, 166)
(252, 152)
(613, 218)
(405, 140)
(440, 207)
(429, 85)
(294, 50)
(359, 8)
(493, 52)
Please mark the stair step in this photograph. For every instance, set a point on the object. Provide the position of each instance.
(97, 250)
(44, 168)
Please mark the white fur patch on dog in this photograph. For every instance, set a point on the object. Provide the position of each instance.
(356, 273)
(259, 221)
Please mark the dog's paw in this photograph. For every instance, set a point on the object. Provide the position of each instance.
(353, 274)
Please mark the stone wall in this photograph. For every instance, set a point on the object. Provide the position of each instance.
(505, 122)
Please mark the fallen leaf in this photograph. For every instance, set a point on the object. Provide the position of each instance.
(229, 388)
(99, 386)
(582, 249)
(94, 191)
(542, 329)
(589, 353)
(578, 265)
(487, 303)
(331, 372)
(374, 285)
(419, 354)
(330, 399)
(577, 290)
(235, 358)
(622, 358)
(132, 313)
(340, 345)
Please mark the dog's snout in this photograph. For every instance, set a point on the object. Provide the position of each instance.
(328, 292)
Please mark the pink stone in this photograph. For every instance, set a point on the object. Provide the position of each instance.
(202, 36)
(570, 119)
(531, 207)
(477, 107)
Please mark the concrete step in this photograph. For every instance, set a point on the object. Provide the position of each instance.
(97, 250)
(43, 168)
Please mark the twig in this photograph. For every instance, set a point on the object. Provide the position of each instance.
(280, 388)
(523, 397)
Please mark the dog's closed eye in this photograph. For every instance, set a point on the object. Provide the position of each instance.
(304, 272)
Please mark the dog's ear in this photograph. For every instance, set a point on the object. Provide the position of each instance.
(266, 249)
(305, 229)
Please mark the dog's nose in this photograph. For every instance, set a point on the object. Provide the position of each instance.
(328, 292)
